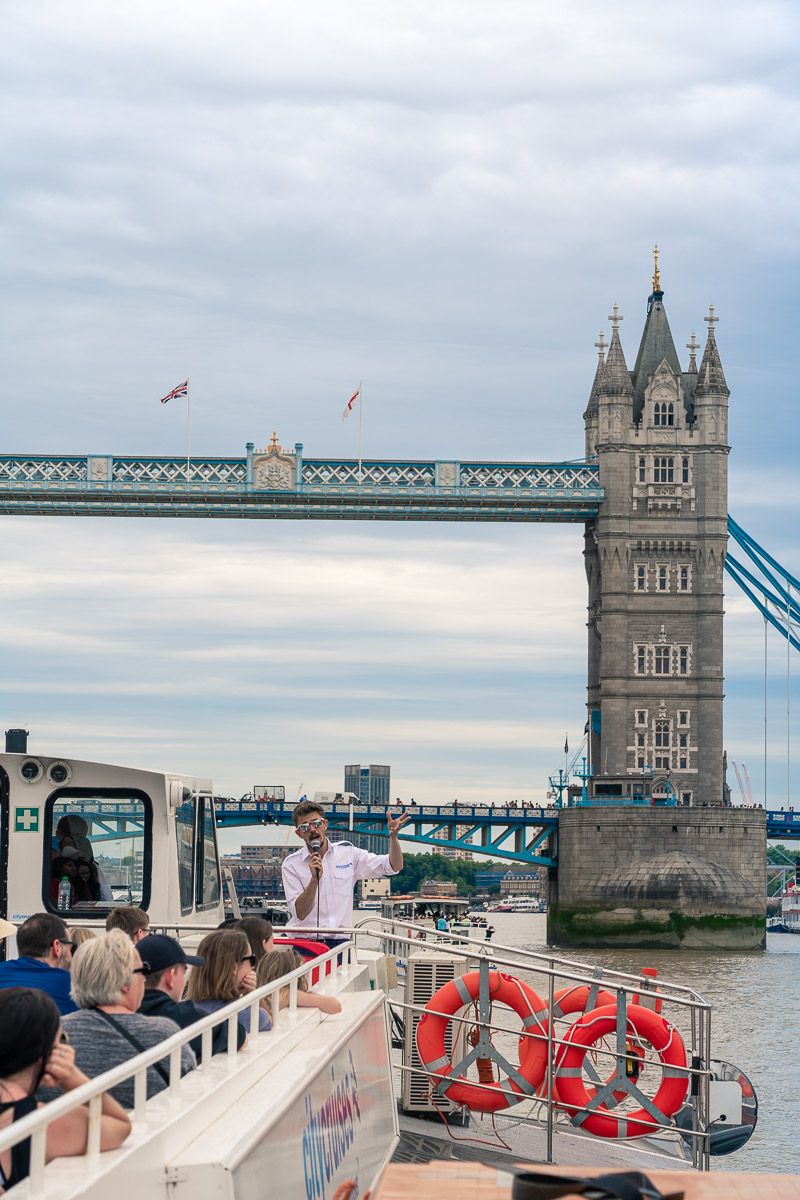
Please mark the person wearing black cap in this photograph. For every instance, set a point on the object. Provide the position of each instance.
(164, 986)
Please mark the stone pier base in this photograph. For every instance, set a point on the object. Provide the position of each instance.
(669, 878)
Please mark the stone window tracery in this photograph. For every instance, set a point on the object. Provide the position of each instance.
(663, 470)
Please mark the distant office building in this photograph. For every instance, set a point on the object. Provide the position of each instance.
(372, 785)
(438, 887)
(448, 851)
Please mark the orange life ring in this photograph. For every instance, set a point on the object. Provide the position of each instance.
(573, 1094)
(570, 1000)
(457, 994)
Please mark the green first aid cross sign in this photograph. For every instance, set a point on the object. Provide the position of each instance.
(26, 820)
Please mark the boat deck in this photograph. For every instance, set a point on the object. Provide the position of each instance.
(476, 1181)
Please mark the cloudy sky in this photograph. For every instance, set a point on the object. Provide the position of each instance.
(444, 199)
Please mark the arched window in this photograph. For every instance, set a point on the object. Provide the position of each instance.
(670, 414)
(663, 471)
(685, 471)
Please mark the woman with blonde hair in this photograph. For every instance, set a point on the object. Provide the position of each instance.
(226, 975)
(282, 962)
(79, 935)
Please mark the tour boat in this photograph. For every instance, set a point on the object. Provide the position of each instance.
(310, 1108)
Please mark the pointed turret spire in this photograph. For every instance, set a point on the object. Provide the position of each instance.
(591, 408)
(711, 377)
(656, 345)
(616, 376)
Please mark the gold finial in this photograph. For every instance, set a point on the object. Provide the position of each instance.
(601, 345)
(274, 443)
(656, 276)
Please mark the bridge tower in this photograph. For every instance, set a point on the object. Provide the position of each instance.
(654, 563)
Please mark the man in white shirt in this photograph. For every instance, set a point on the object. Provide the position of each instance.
(318, 883)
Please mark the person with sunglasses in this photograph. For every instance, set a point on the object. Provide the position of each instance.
(318, 881)
(45, 954)
(227, 974)
(108, 982)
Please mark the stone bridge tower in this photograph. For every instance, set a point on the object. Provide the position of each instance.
(654, 563)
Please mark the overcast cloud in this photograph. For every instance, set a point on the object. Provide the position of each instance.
(444, 199)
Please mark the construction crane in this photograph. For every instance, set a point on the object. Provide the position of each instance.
(739, 780)
(747, 784)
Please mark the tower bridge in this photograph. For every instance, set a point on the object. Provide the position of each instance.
(651, 493)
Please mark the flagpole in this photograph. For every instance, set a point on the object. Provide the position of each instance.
(360, 411)
(188, 427)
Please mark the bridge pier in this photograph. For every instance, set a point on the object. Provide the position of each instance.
(666, 878)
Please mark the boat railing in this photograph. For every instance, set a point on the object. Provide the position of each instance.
(627, 988)
(35, 1125)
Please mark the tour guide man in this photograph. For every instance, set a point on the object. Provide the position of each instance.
(318, 883)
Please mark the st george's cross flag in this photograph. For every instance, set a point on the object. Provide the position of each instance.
(355, 396)
(177, 393)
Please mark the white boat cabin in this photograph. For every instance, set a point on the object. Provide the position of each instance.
(118, 835)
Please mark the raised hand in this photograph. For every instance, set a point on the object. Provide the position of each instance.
(395, 824)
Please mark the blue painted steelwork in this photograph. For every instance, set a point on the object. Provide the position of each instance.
(776, 604)
(784, 825)
(275, 483)
(529, 828)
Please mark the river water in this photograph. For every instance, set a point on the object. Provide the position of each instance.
(755, 1018)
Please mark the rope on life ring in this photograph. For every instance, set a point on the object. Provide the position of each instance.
(574, 1096)
(432, 1027)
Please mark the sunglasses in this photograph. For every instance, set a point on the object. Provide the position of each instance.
(251, 958)
(304, 826)
(70, 945)
(144, 969)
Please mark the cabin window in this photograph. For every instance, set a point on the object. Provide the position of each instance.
(207, 883)
(100, 840)
(184, 834)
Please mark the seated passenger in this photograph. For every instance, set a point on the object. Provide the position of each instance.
(44, 952)
(71, 841)
(87, 884)
(164, 987)
(32, 1053)
(79, 935)
(227, 974)
(133, 921)
(282, 962)
(259, 934)
(107, 985)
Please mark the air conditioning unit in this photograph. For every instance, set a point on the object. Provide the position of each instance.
(425, 974)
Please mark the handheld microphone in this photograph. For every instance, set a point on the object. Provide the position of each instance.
(315, 845)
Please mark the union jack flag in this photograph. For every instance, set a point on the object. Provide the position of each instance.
(177, 393)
